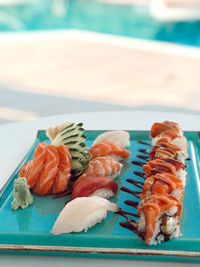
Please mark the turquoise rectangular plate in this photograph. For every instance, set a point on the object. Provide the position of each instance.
(28, 231)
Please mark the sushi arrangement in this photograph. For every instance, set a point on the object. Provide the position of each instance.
(160, 199)
(66, 166)
(86, 175)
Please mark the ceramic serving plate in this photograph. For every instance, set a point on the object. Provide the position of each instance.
(28, 231)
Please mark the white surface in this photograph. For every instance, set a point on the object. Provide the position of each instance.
(17, 138)
(114, 40)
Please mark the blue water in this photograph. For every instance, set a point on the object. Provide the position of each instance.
(92, 15)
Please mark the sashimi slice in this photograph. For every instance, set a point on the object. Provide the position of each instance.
(106, 148)
(36, 166)
(63, 175)
(89, 185)
(82, 213)
(25, 169)
(101, 166)
(49, 172)
(121, 138)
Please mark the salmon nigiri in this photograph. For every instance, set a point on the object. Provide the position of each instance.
(101, 166)
(110, 149)
(159, 218)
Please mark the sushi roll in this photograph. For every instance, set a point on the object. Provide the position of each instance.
(159, 218)
(164, 149)
(161, 184)
(168, 132)
(179, 141)
(82, 213)
(170, 166)
(101, 166)
(163, 190)
(121, 138)
(171, 127)
(95, 186)
(109, 149)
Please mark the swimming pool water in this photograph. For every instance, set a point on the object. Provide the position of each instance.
(92, 15)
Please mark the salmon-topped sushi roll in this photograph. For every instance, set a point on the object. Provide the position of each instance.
(168, 132)
(101, 166)
(161, 184)
(160, 127)
(159, 218)
(164, 149)
(109, 149)
(170, 166)
(179, 141)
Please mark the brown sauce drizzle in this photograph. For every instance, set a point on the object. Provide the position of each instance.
(131, 203)
(144, 151)
(139, 163)
(123, 213)
(134, 193)
(136, 183)
(146, 158)
(140, 174)
(128, 225)
(144, 143)
(175, 162)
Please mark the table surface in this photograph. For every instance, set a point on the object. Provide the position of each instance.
(18, 138)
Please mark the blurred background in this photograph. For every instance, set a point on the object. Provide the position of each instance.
(67, 56)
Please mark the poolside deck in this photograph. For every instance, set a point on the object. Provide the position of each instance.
(102, 68)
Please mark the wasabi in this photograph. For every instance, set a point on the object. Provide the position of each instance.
(22, 197)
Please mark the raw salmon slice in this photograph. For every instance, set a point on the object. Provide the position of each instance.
(49, 172)
(63, 175)
(106, 148)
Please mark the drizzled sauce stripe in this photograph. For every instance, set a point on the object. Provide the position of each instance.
(136, 183)
(134, 193)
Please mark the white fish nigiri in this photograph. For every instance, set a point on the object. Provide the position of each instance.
(82, 213)
(121, 138)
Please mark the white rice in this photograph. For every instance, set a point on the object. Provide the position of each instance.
(177, 193)
(180, 142)
(103, 192)
(181, 156)
(181, 174)
(171, 228)
(115, 157)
